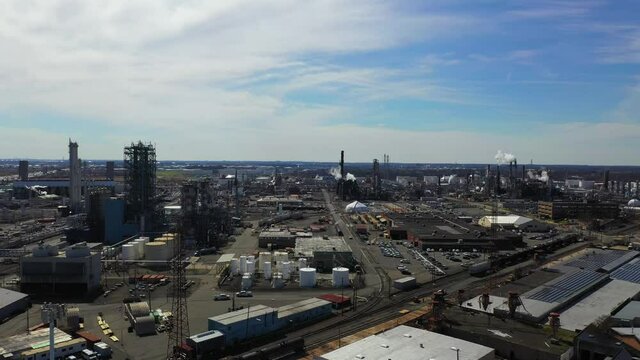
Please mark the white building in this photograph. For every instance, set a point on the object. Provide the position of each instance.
(406, 180)
(430, 179)
(514, 222)
(76, 270)
(409, 343)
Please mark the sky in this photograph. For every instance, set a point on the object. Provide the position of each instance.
(551, 81)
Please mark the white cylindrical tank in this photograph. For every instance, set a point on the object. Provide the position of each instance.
(139, 245)
(234, 267)
(243, 264)
(266, 268)
(251, 267)
(302, 263)
(156, 251)
(263, 258)
(251, 258)
(307, 277)
(128, 252)
(246, 282)
(278, 281)
(285, 268)
(340, 277)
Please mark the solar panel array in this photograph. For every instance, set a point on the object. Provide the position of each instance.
(595, 261)
(566, 286)
(629, 272)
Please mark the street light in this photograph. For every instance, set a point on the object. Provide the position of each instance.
(457, 352)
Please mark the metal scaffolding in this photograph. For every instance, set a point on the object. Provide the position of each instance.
(140, 182)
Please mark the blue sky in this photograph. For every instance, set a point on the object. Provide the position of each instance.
(556, 81)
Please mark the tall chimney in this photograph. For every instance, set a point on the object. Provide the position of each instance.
(342, 164)
(524, 173)
(606, 180)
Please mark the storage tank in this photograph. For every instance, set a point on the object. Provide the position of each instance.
(144, 239)
(302, 263)
(139, 245)
(307, 277)
(340, 277)
(246, 282)
(281, 256)
(266, 269)
(285, 268)
(156, 251)
(251, 258)
(234, 267)
(128, 252)
(263, 258)
(251, 267)
(243, 263)
(278, 281)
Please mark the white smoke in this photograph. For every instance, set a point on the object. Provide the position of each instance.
(544, 176)
(504, 158)
(335, 172)
(350, 176)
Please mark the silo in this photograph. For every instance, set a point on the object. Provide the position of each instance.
(285, 268)
(278, 281)
(340, 277)
(156, 251)
(263, 257)
(145, 239)
(234, 267)
(139, 245)
(307, 277)
(243, 264)
(302, 263)
(246, 282)
(266, 268)
(251, 267)
(128, 252)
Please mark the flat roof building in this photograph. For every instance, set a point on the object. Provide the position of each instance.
(12, 302)
(325, 253)
(76, 270)
(408, 343)
(513, 222)
(577, 210)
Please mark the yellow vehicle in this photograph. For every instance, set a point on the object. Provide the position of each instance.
(404, 311)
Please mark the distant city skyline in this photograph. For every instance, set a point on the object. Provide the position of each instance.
(556, 81)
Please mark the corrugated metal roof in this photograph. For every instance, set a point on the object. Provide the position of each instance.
(301, 306)
(241, 315)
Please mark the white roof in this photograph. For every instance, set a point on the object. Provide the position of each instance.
(356, 206)
(408, 343)
(508, 219)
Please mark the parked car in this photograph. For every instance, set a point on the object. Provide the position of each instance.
(222, 297)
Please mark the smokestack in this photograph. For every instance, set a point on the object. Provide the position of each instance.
(606, 180)
(75, 191)
(510, 170)
(497, 179)
(342, 164)
(110, 173)
(23, 170)
(524, 173)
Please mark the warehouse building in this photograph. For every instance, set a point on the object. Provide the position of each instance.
(245, 323)
(513, 222)
(34, 345)
(577, 210)
(427, 231)
(409, 343)
(74, 271)
(277, 238)
(206, 343)
(259, 320)
(286, 202)
(325, 253)
(12, 302)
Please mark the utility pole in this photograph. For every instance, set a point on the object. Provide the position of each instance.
(179, 326)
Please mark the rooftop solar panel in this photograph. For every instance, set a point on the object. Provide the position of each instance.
(566, 286)
(628, 272)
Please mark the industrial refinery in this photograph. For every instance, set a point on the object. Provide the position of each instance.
(144, 259)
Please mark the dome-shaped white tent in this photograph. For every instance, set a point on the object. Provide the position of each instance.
(634, 203)
(356, 206)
